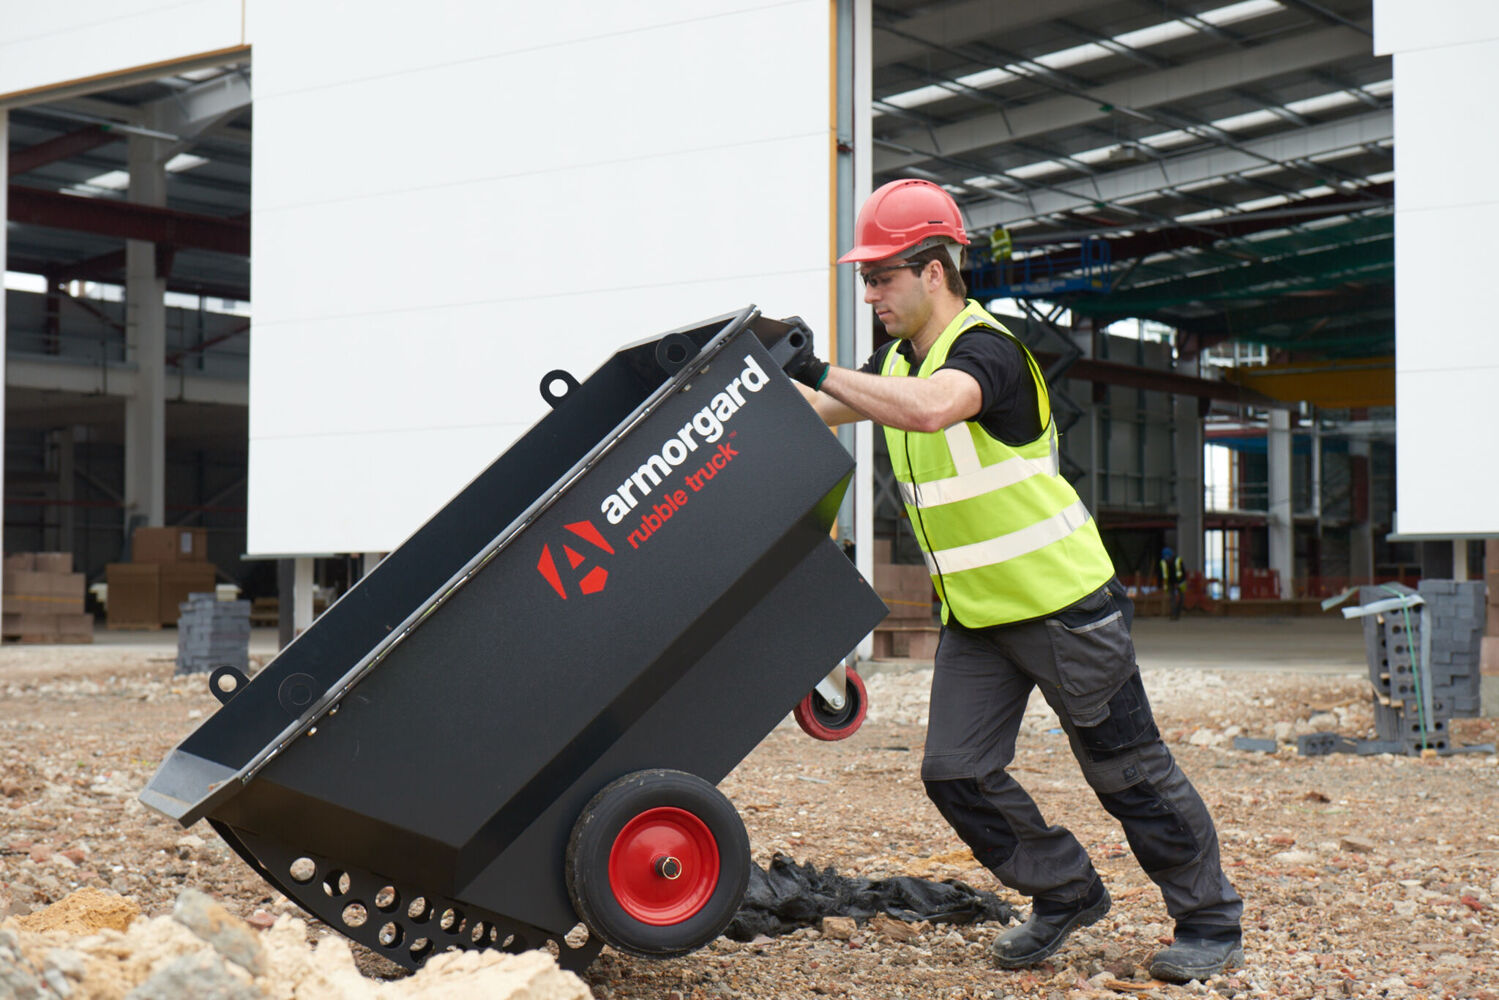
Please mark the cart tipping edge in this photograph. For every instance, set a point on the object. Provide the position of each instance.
(509, 733)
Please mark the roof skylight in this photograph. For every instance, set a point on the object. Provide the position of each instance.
(1141, 38)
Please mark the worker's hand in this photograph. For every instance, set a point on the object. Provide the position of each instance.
(806, 367)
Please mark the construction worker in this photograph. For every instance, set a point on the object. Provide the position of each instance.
(1028, 595)
(1173, 580)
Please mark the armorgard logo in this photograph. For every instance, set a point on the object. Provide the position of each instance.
(592, 581)
(705, 427)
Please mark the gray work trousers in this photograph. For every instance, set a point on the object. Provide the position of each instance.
(1083, 660)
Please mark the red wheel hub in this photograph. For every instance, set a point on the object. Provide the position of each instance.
(663, 866)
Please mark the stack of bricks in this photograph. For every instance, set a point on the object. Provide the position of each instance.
(910, 631)
(43, 599)
(212, 633)
(1489, 658)
(1424, 661)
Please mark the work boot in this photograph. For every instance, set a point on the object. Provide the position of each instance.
(1041, 935)
(1189, 958)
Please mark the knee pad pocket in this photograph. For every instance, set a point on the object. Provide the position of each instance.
(1158, 835)
(975, 819)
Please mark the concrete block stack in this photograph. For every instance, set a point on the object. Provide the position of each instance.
(910, 631)
(1424, 661)
(167, 564)
(43, 599)
(1455, 610)
(1489, 657)
(212, 633)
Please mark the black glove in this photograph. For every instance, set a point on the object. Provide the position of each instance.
(806, 367)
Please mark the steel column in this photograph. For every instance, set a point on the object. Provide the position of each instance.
(1189, 480)
(4, 189)
(1281, 522)
(145, 336)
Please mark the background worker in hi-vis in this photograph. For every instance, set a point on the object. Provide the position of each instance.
(1029, 599)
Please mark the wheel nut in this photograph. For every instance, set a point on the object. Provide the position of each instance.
(668, 867)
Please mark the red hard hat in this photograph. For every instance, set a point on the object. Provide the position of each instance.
(901, 214)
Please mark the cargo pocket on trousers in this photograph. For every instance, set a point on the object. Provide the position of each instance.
(1093, 660)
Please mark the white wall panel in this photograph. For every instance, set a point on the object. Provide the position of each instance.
(1445, 147)
(1445, 482)
(42, 44)
(1444, 270)
(456, 198)
(1408, 25)
(1446, 210)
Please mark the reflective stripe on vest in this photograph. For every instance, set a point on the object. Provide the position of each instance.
(1005, 537)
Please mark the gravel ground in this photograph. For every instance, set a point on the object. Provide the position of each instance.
(1362, 877)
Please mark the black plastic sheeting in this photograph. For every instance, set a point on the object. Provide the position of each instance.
(790, 895)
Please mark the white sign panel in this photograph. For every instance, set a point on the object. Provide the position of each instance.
(1446, 210)
(452, 198)
(45, 44)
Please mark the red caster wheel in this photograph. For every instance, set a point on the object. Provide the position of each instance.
(823, 719)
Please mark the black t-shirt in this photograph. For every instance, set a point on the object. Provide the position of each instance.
(1008, 411)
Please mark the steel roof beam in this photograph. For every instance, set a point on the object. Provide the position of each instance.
(126, 220)
(911, 37)
(63, 147)
(1369, 261)
(1183, 236)
(1217, 73)
(1349, 133)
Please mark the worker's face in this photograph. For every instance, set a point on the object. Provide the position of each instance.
(900, 293)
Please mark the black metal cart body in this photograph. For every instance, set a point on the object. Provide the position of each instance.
(644, 580)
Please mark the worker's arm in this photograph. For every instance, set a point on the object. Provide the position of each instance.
(909, 404)
(829, 409)
(842, 395)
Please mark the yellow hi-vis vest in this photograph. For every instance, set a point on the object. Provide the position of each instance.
(1005, 536)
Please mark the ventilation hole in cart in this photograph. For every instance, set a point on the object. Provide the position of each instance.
(510, 940)
(577, 937)
(336, 883)
(451, 921)
(494, 934)
(419, 912)
(553, 948)
(355, 915)
(391, 935)
(303, 870)
(478, 932)
(387, 899)
(420, 949)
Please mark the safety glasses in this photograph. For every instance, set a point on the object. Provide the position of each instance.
(880, 276)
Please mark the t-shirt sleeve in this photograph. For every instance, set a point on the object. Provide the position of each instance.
(1009, 407)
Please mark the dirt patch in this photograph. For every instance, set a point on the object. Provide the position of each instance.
(84, 912)
(1362, 876)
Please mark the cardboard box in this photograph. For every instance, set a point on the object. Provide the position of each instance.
(21, 561)
(906, 590)
(134, 599)
(32, 591)
(29, 627)
(177, 582)
(169, 546)
(75, 628)
(53, 562)
(906, 642)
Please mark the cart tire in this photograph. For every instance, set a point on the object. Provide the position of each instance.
(658, 863)
(819, 721)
